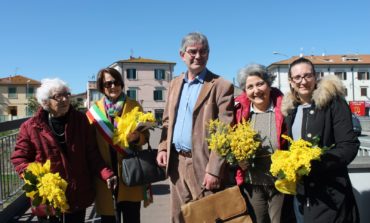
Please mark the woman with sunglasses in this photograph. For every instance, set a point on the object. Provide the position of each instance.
(115, 103)
(318, 109)
(63, 135)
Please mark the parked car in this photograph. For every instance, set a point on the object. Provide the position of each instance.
(356, 124)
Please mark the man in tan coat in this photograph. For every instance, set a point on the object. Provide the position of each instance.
(194, 98)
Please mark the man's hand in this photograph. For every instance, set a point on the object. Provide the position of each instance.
(211, 182)
(112, 182)
(162, 158)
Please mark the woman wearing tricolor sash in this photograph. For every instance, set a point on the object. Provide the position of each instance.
(115, 103)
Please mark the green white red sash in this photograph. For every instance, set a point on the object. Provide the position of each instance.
(105, 127)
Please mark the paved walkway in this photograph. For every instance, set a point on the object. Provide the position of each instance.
(157, 212)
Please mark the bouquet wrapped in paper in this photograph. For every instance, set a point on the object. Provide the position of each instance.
(289, 166)
(45, 188)
(235, 143)
(134, 120)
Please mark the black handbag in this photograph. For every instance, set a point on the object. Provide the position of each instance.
(141, 168)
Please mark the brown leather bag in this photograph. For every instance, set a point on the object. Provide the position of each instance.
(227, 205)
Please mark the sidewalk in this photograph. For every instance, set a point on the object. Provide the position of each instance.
(157, 212)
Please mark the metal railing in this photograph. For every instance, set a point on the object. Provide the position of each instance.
(10, 183)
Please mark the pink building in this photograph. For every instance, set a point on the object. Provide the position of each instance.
(146, 81)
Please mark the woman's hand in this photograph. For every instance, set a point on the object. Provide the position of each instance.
(133, 137)
(112, 183)
(243, 165)
(162, 158)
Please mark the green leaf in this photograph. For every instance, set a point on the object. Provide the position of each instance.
(281, 175)
(31, 177)
(28, 188)
(302, 171)
(37, 200)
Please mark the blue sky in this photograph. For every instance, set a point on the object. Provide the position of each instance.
(73, 39)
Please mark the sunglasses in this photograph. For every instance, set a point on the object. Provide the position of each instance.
(109, 84)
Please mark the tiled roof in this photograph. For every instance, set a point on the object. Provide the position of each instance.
(331, 59)
(18, 80)
(144, 60)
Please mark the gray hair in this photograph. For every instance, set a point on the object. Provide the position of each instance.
(254, 70)
(192, 39)
(48, 86)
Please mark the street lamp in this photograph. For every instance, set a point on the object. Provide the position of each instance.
(278, 53)
(278, 66)
(27, 108)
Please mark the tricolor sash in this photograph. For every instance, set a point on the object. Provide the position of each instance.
(105, 127)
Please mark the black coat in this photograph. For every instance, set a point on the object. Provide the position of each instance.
(326, 194)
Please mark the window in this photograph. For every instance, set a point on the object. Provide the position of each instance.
(12, 110)
(363, 91)
(362, 75)
(30, 92)
(159, 74)
(319, 75)
(131, 93)
(158, 95)
(158, 114)
(341, 75)
(346, 92)
(28, 112)
(95, 95)
(131, 74)
(12, 92)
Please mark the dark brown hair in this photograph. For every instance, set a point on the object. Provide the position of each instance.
(100, 78)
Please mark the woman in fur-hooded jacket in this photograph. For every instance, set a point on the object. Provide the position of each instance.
(318, 109)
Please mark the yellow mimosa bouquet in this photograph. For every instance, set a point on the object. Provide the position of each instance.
(289, 166)
(234, 143)
(129, 122)
(45, 188)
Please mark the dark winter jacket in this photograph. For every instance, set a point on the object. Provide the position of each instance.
(77, 165)
(326, 194)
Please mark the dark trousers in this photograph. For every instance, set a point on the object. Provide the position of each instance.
(130, 212)
(75, 217)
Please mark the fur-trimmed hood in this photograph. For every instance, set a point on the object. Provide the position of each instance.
(328, 88)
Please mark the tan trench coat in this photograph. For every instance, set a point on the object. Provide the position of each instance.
(214, 101)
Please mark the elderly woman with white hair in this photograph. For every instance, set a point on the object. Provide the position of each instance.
(62, 135)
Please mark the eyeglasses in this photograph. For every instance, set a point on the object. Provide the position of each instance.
(109, 84)
(59, 97)
(194, 52)
(298, 79)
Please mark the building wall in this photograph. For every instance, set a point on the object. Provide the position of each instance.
(20, 102)
(145, 83)
(352, 83)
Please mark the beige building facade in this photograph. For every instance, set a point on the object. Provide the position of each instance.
(14, 94)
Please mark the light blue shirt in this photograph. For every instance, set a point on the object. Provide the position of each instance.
(184, 121)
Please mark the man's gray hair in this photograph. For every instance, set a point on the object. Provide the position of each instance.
(192, 39)
(254, 70)
(48, 86)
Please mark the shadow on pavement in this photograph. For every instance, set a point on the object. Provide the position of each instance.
(160, 189)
